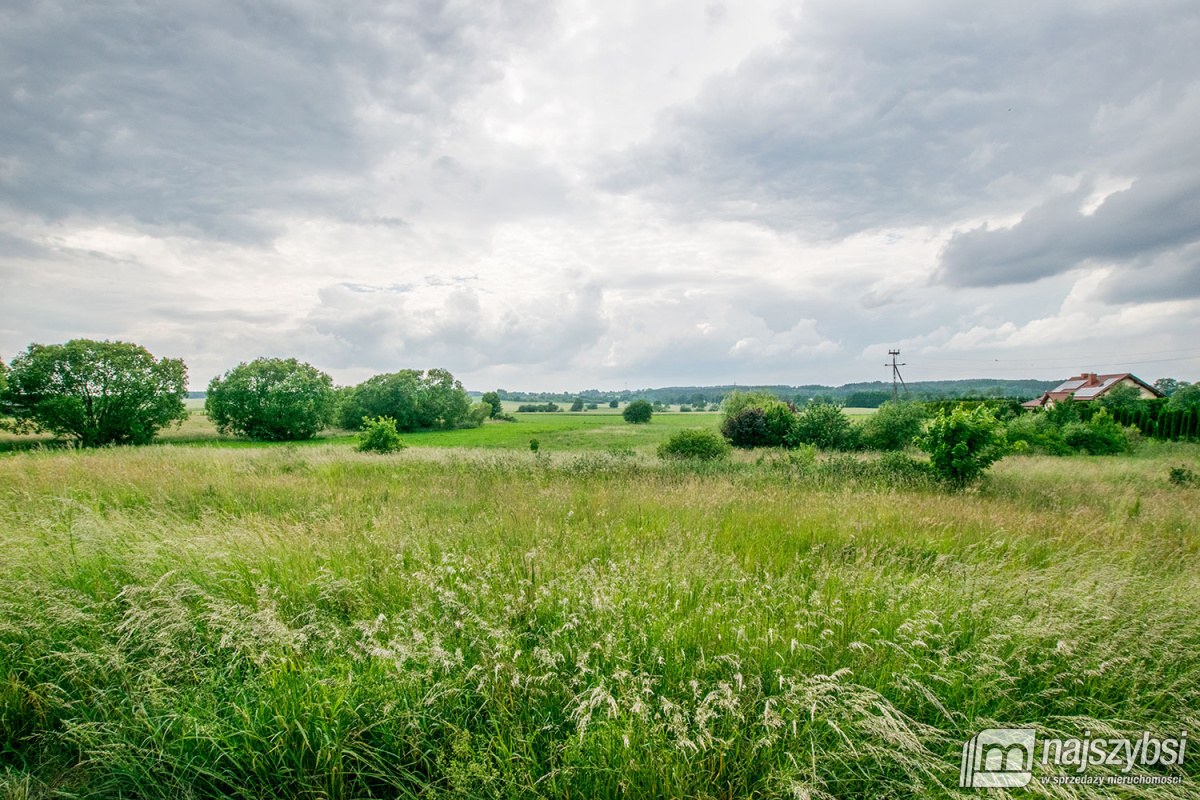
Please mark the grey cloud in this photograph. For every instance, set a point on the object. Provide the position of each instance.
(208, 116)
(1155, 214)
(12, 247)
(872, 115)
(388, 329)
(1170, 276)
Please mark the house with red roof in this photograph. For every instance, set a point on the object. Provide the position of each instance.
(1090, 386)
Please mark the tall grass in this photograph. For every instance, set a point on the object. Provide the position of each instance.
(314, 622)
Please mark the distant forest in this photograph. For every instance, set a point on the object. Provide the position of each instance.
(857, 395)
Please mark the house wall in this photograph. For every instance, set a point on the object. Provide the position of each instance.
(1146, 393)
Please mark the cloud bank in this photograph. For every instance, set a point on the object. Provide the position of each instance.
(628, 193)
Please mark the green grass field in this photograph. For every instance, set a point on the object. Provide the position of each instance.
(468, 619)
(601, 429)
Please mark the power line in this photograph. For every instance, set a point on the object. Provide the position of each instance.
(1068, 359)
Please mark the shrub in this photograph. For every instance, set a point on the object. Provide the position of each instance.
(379, 435)
(1063, 412)
(747, 429)
(96, 393)
(533, 445)
(825, 426)
(702, 445)
(1182, 476)
(638, 412)
(1036, 433)
(1099, 436)
(593, 406)
(271, 399)
(962, 445)
(685, 409)
(893, 427)
(478, 413)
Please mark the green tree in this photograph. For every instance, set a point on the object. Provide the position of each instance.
(1122, 397)
(442, 402)
(638, 412)
(272, 399)
(613, 403)
(963, 444)
(416, 400)
(1167, 385)
(493, 400)
(577, 405)
(393, 395)
(96, 393)
(1185, 397)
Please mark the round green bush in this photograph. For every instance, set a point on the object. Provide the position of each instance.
(379, 435)
(271, 399)
(702, 445)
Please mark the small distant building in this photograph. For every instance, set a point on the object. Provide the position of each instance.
(1090, 386)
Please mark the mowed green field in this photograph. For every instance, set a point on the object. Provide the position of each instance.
(601, 429)
(469, 619)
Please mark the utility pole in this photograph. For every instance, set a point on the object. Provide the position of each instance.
(896, 376)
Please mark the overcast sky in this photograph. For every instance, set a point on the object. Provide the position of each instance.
(633, 193)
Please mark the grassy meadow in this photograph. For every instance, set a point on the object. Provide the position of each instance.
(470, 619)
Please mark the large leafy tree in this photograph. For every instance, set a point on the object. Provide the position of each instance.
(96, 393)
(271, 399)
(1167, 385)
(392, 395)
(442, 401)
(415, 400)
(638, 412)
(493, 400)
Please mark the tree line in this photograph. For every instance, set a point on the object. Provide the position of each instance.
(102, 393)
